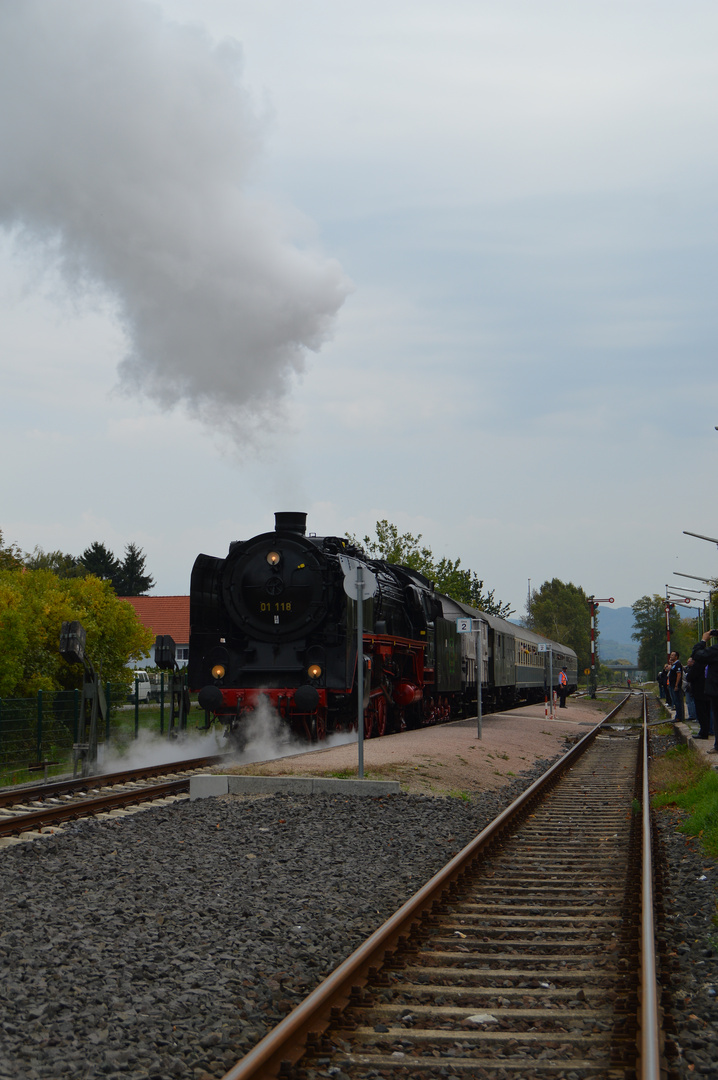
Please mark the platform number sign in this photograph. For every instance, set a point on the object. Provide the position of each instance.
(463, 626)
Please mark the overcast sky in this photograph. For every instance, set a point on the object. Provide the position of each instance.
(451, 264)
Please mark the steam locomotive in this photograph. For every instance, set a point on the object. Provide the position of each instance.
(272, 622)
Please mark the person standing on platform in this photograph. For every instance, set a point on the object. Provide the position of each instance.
(688, 690)
(695, 677)
(663, 684)
(562, 688)
(675, 684)
(706, 654)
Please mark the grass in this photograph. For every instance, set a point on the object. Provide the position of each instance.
(680, 778)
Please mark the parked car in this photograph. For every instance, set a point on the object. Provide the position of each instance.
(142, 687)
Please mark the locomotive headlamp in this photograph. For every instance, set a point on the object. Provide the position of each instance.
(218, 671)
(273, 558)
(314, 671)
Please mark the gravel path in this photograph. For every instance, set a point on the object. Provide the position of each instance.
(165, 943)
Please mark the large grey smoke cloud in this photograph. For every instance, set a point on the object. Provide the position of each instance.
(128, 148)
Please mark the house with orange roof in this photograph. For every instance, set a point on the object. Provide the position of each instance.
(164, 615)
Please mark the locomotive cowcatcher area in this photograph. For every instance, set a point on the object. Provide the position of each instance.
(449, 759)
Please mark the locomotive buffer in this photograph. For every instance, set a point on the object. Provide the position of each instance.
(359, 585)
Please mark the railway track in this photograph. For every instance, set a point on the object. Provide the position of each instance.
(42, 806)
(529, 956)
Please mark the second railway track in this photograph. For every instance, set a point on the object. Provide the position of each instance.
(45, 805)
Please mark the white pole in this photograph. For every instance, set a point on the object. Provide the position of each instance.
(478, 682)
(550, 668)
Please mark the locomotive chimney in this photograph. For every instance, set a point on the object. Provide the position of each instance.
(290, 521)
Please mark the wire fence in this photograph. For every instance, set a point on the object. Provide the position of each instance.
(37, 734)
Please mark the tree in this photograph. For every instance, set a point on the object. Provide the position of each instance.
(100, 561)
(65, 566)
(131, 579)
(447, 574)
(35, 603)
(649, 619)
(560, 611)
(128, 578)
(10, 557)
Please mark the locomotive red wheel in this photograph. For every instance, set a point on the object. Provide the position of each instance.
(380, 715)
(368, 723)
(321, 725)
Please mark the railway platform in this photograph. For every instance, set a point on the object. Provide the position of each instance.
(687, 733)
(445, 759)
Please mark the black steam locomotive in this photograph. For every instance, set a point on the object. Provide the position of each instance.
(272, 623)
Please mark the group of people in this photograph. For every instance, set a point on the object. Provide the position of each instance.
(693, 689)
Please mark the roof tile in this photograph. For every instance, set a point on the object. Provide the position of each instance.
(163, 615)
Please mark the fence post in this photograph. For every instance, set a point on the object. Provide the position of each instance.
(137, 706)
(75, 713)
(162, 703)
(108, 702)
(39, 725)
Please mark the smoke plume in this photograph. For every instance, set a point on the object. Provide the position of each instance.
(129, 148)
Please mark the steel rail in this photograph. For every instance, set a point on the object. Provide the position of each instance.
(87, 807)
(286, 1041)
(9, 796)
(649, 1062)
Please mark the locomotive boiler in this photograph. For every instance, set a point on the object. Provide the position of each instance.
(272, 624)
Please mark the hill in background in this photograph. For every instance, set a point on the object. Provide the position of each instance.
(616, 626)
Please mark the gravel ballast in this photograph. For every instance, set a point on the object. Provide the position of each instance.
(166, 943)
(690, 936)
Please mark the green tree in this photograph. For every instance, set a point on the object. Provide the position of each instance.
(10, 557)
(560, 611)
(447, 574)
(131, 579)
(33, 606)
(65, 566)
(128, 577)
(649, 619)
(100, 561)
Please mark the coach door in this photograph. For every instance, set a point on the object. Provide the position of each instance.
(490, 653)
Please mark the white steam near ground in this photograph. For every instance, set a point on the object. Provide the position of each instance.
(129, 153)
(267, 737)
